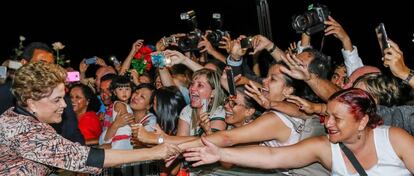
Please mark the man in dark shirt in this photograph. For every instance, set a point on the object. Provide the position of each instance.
(40, 52)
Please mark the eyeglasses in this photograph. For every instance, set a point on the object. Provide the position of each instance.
(231, 102)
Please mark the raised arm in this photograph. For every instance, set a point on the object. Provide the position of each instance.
(349, 52)
(260, 42)
(127, 62)
(394, 58)
(298, 70)
(179, 58)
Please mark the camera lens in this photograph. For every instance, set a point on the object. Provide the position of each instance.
(300, 23)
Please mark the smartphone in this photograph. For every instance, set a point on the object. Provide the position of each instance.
(3, 72)
(114, 60)
(91, 60)
(205, 105)
(14, 64)
(246, 42)
(158, 59)
(382, 37)
(73, 76)
(230, 82)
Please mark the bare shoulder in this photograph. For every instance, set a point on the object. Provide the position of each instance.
(399, 137)
(119, 106)
(398, 134)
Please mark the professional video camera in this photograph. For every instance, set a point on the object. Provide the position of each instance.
(216, 35)
(312, 21)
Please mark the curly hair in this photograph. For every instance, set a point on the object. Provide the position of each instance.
(36, 81)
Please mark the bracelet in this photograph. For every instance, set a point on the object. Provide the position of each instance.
(272, 49)
(160, 139)
(409, 77)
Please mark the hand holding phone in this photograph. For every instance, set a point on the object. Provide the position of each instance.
(230, 82)
(158, 59)
(91, 60)
(205, 105)
(3, 72)
(382, 37)
(246, 42)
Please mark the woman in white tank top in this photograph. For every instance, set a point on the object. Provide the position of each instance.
(351, 120)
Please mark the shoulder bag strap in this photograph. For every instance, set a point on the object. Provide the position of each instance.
(353, 160)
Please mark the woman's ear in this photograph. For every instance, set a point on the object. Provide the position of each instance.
(249, 112)
(213, 92)
(31, 105)
(288, 91)
(363, 122)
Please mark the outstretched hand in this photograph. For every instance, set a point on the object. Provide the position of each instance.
(166, 151)
(256, 93)
(208, 154)
(297, 68)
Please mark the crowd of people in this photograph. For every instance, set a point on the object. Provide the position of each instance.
(138, 117)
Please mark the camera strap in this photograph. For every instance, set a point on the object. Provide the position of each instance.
(352, 158)
(322, 43)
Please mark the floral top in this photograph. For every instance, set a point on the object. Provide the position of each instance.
(29, 147)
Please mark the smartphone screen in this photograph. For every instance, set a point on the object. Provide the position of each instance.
(230, 82)
(73, 76)
(205, 105)
(90, 61)
(382, 37)
(3, 72)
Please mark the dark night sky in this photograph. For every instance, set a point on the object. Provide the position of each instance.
(106, 28)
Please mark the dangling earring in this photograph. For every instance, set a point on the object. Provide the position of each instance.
(247, 120)
(359, 135)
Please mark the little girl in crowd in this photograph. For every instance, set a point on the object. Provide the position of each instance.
(118, 135)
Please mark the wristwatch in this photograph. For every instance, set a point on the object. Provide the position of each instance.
(409, 77)
(160, 139)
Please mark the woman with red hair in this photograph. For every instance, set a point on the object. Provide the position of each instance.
(352, 126)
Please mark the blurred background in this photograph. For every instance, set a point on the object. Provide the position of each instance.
(107, 28)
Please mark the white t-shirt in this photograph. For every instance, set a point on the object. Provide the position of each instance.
(186, 116)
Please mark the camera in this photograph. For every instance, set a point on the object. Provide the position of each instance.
(190, 41)
(312, 21)
(216, 35)
(166, 41)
